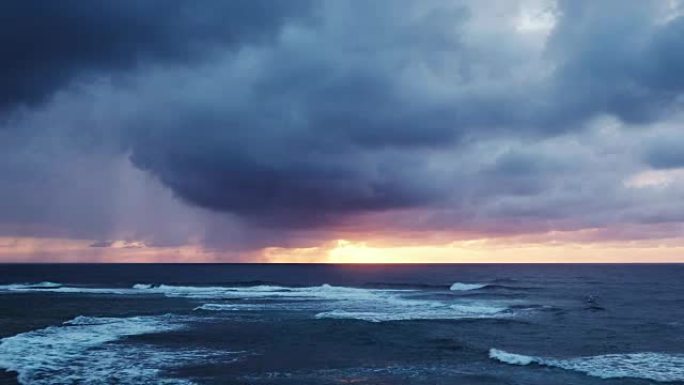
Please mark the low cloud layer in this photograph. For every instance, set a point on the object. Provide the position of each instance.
(244, 125)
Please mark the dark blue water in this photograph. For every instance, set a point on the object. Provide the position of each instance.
(342, 324)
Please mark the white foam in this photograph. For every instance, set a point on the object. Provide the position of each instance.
(483, 308)
(399, 309)
(90, 290)
(510, 358)
(323, 292)
(52, 287)
(29, 286)
(398, 315)
(374, 305)
(83, 351)
(659, 367)
(229, 307)
(459, 286)
(325, 301)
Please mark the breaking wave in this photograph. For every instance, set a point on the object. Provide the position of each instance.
(229, 307)
(659, 367)
(208, 292)
(333, 302)
(511, 358)
(84, 350)
(324, 301)
(323, 292)
(400, 308)
(29, 286)
(53, 287)
(428, 312)
(459, 286)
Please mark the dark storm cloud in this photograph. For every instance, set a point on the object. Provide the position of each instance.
(298, 179)
(46, 45)
(338, 121)
(291, 117)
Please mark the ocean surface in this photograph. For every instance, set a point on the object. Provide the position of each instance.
(342, 324)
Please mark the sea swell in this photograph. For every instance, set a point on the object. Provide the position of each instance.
(333, 302)
(659, 367)
(460, 286)
(324, 301)
(29, 286)
(418, 312)
(86, 350)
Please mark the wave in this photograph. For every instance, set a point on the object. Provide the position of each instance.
(229, 307)
(64, 354)
(54, 287)
(459, 286)
(318, 293)
(418, 311)
(84, 350)
(324, 301)
(660, 367)
(336, 302)
(29, 286)
(376, 310)
(89, 290)
(511, 358)
(226, 292)
(231, 284)
(324, 292)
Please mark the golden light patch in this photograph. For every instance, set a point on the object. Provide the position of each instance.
(481, 251)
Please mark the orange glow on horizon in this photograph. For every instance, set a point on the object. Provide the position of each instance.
(532, 250)
(479, 251)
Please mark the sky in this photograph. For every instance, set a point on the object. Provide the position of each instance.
(342, 131)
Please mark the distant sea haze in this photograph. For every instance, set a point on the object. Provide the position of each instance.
(322, 324)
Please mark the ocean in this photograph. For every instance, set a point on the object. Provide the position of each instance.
(341, 324)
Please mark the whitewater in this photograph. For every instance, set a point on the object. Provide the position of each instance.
(322, 324)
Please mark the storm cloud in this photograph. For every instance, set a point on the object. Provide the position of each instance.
(276, 123)
(48, 45)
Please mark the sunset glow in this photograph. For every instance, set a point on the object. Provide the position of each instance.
(480, 251)
(345, 251)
